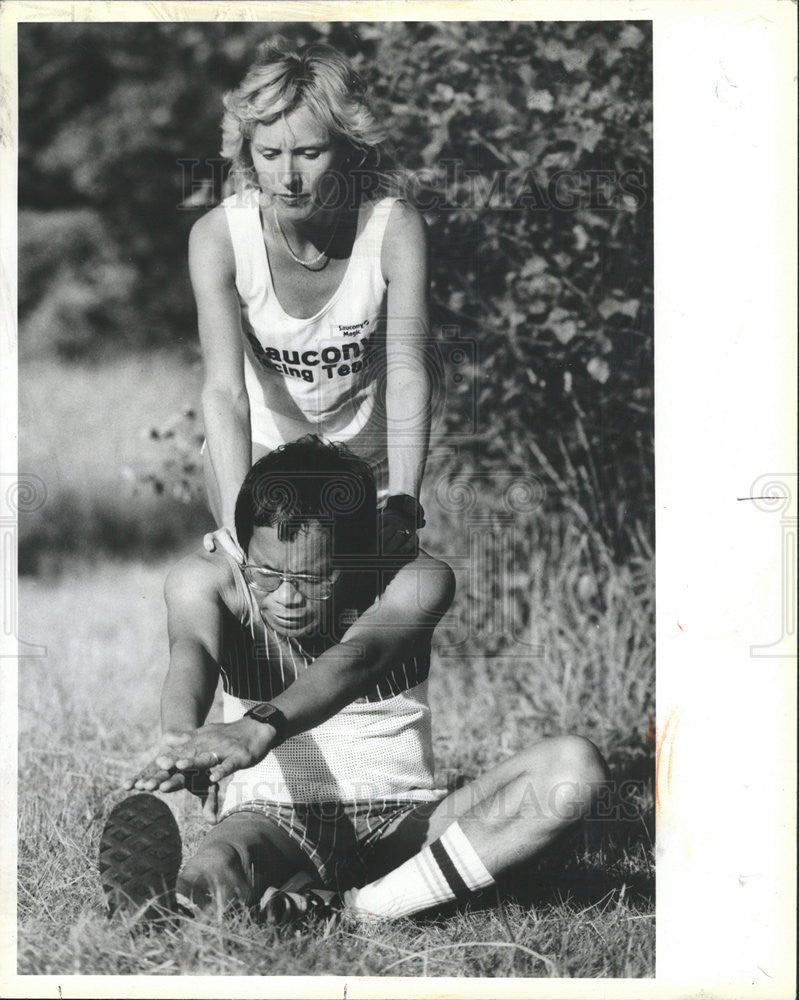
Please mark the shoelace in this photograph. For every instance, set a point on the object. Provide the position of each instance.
(282, 907)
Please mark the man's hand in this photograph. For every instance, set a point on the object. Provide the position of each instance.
(209, 800)
(197, 782)
(150, 776)
(217, 749)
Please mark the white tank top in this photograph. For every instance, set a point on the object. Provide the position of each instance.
(379, 746)
(320, 375)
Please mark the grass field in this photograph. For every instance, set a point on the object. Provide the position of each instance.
(89, 709)
(89, 713)
(86, 432)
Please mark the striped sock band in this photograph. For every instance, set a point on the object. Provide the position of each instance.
(449, 869)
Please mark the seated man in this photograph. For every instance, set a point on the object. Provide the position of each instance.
(327, 730)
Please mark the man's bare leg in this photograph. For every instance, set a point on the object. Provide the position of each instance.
(502, 820)
(239, 859)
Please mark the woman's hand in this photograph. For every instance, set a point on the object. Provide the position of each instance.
(224, 538)
(400, 518)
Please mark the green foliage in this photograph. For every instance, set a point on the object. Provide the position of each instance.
(75, 290)
(531, 146)
(107, 114)
(527, 145)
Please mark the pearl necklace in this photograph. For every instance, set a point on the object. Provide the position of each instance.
(310, 261)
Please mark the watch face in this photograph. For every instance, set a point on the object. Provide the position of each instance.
(271, 715)
(263, 713)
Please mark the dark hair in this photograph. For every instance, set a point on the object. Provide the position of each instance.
(311, 481)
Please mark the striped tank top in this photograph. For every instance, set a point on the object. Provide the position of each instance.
(379, 746)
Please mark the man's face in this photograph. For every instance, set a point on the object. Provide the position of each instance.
(294, 158)
(288, 609)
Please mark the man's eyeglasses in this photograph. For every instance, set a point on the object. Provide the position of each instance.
(266, 581)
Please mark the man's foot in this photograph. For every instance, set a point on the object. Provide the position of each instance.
(140, 856)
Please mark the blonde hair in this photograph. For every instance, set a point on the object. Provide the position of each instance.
(316, 77)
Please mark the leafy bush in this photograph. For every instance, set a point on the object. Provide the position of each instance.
(527, 146)
(74, 288)
(531, 151)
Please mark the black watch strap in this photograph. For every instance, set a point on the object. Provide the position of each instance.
(405, 504)
(266, 712)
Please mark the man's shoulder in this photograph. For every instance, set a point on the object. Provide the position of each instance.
(203, 577)
(436, 580)
(425, 583)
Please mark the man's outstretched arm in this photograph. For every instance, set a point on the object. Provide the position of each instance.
(400, 623)
(194, 622)
(194, 615)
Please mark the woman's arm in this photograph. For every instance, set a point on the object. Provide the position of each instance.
(409, 376)
(226, 408)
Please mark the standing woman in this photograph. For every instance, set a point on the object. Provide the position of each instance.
(311, 289)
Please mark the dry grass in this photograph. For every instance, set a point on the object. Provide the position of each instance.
(85, 432)
(88, 711)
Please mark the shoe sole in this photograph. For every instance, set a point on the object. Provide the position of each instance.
(139, 856)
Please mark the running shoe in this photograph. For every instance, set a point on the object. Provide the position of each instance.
(139, 857)
(296, 901)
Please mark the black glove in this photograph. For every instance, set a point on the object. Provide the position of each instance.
(400, 519)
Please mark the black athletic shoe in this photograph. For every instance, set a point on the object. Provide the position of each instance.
(295, 902)
(139, 857)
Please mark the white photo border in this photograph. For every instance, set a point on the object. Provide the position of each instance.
(725, 379)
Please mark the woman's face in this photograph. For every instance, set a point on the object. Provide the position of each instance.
(298, 165)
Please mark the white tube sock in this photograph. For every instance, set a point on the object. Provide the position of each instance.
(448, 869)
